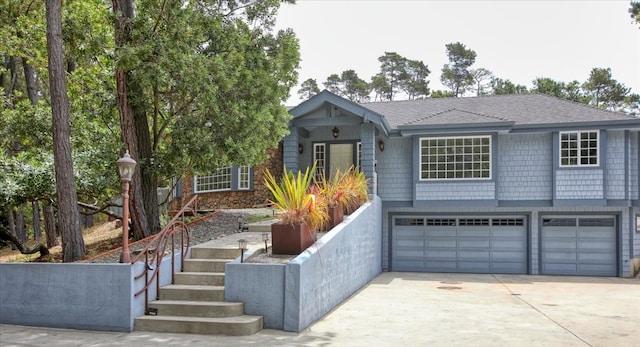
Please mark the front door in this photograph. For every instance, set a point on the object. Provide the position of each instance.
(340, 157)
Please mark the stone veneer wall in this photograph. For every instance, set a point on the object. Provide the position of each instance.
(257, 196)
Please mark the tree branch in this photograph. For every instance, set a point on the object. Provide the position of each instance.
(23, 248)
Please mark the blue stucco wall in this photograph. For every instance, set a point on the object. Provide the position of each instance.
(78, 296)
(294, 295)
(82, 296)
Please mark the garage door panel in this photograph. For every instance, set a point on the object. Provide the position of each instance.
(474, 245)
(591, 251)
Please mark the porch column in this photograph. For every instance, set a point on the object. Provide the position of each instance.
(368, 155)
(290, 150)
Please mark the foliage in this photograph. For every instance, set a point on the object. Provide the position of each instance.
(482, 79)
(604, 90)
(348, 85)
(293, 200)
(348, 189)
(456, 75)
(393, 70)
(308, 89)
(436, 94)
(634, 10)
(501, 87)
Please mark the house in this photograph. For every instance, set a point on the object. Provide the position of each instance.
(521, 184)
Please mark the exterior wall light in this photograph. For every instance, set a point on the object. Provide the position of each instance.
(335, 131)
(381, 145)
(242, 245)
(300, 148)
(126, 167)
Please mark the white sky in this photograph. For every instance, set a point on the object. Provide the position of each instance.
(515, 39)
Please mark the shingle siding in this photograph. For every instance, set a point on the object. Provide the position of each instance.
(615, 166)
(579, 184)
(634, 166)
(524, 167)
(455, 191)
(395, 179)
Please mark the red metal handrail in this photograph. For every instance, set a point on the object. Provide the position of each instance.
(156, 249)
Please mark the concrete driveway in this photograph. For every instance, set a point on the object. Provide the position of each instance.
(416, 309)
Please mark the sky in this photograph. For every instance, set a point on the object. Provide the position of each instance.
(515, 39)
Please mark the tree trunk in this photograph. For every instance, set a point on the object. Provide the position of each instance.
(72, 242)
(21, 231)
(123, 9)
(50, 225)
(37, 230)
(30, 79)
(11, 216)
(20, 245)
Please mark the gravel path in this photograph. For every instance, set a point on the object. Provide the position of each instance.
(209, 228)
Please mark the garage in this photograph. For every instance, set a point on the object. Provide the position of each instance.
(579, 245)
(459, 244)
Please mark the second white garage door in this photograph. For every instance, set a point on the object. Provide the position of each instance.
(459, 244)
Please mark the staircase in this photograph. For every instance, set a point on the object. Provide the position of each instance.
(195, 304)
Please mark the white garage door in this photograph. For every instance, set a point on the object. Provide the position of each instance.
(459, 244)
(579, 245)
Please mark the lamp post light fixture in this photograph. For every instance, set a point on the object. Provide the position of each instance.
(242, 244)
(265, 238)
(126, 167)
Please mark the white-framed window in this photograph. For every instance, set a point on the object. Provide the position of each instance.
(455, 158)
(244, 177)
(319, 156)
(219, 180)
(579, 148)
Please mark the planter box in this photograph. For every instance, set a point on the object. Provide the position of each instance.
(291, 238)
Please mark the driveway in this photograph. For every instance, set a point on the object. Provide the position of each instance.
(419, 309)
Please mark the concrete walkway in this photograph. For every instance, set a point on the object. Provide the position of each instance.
(406, 309)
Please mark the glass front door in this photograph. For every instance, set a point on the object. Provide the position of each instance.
(340, 157)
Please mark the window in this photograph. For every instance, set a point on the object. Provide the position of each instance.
(579, 148)
(319, 158)
(243, 177)
(455, 158)
(219, 180)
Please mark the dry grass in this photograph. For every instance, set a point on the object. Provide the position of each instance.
(97, 239)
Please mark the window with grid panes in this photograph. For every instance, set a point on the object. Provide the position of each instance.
(455, 158)
(579, 148)
(219, 180)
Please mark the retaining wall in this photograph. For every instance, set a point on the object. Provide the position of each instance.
(292, 296)
(86, 296)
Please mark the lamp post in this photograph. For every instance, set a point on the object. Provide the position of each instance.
(126, 166)
(242, 244)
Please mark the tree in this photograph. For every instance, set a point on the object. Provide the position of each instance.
(604, 90)
(548, 86)
(634, 10)
(333, 84)
(416, 85)
(436, 94)
(482, 79)
(381, 88)
(308, 89)
(200, 85)
(501, 87)
(393, 68)
(456, 75)
(72, 241)
(354, 88)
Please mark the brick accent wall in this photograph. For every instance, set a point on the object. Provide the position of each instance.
(257, 196)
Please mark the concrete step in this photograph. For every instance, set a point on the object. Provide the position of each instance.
(234, 326)
(214, 253)
(197, 308)
(192, 292)
(204, 265)
(200, 278)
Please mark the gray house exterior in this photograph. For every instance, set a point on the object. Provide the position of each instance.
(523, 184)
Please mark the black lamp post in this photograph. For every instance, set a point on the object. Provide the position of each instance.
(265, 238)
(242, 244)
(126, 167)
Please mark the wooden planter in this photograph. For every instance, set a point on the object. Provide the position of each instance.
(291, 239)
